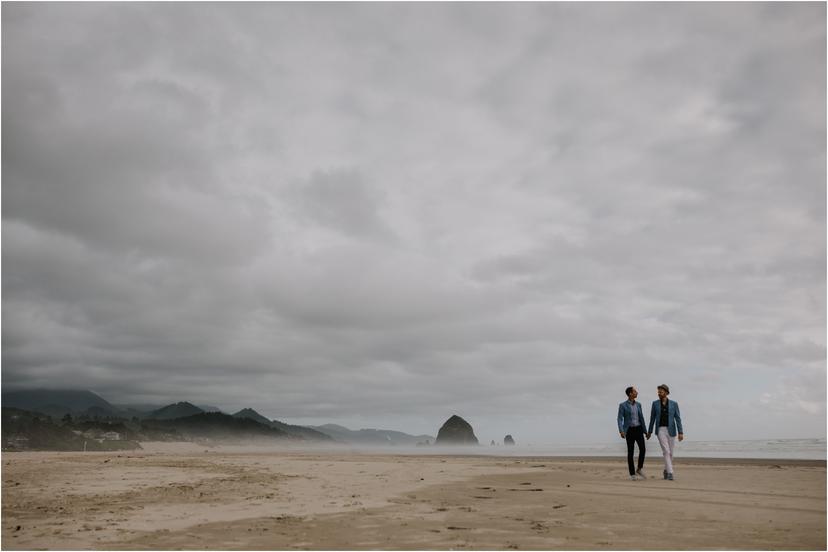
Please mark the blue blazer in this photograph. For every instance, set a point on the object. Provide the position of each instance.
(673, 417)
(625, 416)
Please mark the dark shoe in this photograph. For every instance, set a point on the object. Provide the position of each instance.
(664, 473)
(669, 477)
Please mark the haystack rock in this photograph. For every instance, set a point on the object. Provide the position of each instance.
(456, 431)
(508, 440)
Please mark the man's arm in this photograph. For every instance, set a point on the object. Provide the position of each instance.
(652, 421)
(621, 419)
(677, 416)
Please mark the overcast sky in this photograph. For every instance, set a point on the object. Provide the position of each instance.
(381, 215)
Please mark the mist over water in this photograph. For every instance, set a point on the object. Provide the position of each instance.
(810, 449)
(792, 449)
(805, 449)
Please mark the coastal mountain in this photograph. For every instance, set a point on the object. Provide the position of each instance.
(177, 410)
(136, 410)
(85, 405)
(297, 431)
(144, 410)
(371, 436)
(251, 414)
(25, 430)
(216, 426)
(57, 402)
(303, 432)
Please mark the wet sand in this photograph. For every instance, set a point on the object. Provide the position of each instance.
(187, 497)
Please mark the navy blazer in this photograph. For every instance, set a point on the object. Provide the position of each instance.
(625, 416)
(673, 417)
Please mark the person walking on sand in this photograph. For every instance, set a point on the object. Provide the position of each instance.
(631, 426)
(668, 416)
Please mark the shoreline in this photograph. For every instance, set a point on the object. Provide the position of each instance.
(649, 458)
(190, 448)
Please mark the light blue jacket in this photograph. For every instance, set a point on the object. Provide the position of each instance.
(625, 416)
(673, 417)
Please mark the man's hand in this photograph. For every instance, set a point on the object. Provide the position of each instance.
(623, 435)
(648, 435)
(681, 436)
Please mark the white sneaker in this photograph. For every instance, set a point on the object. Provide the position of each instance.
(634, 478)
(640, 473)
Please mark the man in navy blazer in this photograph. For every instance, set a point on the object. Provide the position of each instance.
(631, 426)
(665, 413)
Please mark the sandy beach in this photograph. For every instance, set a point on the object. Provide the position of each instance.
(185, 496)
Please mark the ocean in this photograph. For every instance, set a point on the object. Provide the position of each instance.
(803, 449)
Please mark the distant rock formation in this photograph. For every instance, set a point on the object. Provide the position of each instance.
(493, 443)
(456, 431)
(508, 440)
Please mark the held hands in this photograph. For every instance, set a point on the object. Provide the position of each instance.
(648, 435)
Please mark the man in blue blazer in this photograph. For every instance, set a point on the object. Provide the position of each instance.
(631, 426)
(666, 414)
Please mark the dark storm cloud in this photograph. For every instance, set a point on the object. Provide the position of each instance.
(383, 214)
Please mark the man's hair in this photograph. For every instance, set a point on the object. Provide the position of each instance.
(664, 386)
(628, 390)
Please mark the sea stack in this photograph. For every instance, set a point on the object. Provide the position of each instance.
(456, 431)
(508, 440)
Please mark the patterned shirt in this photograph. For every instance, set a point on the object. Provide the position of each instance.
(634, 420)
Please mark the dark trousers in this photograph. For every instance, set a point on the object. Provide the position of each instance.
(635, 435)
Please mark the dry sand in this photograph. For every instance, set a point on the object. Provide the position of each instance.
(188, 497)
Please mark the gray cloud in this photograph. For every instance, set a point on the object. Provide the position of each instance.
(344, 202)
(383, 214)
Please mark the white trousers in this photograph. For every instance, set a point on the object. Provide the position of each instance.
(667, 445)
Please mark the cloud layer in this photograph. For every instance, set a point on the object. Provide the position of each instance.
(385, 214)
